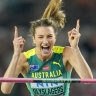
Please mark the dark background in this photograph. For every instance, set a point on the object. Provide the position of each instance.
(21, 12)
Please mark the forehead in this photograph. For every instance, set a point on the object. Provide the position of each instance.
(44, 30)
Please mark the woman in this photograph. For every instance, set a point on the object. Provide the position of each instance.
(47, 60)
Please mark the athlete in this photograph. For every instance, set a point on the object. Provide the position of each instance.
(47, 60)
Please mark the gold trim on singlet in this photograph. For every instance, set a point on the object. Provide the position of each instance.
(56, 49)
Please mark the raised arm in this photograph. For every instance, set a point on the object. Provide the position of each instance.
(15, 66)
(74, 56)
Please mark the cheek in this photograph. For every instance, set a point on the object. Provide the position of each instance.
(38, 43)
(53, 41)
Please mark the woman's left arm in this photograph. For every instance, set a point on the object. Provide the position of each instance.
(76, 59)
(80, 65)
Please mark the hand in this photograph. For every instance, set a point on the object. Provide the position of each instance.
(18, 42)
(74, 35)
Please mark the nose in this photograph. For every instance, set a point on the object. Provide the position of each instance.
(45, 41)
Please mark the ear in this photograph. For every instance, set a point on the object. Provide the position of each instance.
(33, 38)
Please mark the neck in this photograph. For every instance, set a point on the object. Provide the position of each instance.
(41, 57)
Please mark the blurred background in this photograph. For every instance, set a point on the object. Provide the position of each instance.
(21, 12)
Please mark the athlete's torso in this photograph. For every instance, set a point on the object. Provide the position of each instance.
(53, 68)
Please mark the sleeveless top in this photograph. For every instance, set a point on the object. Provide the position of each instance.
(53, 68)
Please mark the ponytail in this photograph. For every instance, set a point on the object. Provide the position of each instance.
(54, 12)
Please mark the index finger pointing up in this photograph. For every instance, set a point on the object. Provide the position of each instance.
(77, 25)
(16, 32)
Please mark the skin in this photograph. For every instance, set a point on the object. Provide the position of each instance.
(45, 36)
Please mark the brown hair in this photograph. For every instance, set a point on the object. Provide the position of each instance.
(53, 16)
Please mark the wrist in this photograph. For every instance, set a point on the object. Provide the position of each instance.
(16, 54)
(75, 47)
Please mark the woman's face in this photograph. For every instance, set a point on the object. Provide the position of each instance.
(44, 39)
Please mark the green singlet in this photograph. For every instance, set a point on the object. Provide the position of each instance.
(53, 68)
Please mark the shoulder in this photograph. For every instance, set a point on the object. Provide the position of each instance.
(58, 49)
(29, 53)
(22, 59)
(67, 52)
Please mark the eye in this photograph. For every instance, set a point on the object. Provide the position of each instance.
(50, 36)
(40, 37)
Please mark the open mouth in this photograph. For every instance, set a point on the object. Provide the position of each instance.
(45, 49)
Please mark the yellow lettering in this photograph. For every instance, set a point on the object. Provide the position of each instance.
(51, 75)
(46, 74)
(54, 74)
(36, 75)
(43, 74)
(39, 74)
(32, 75)
(60, 73)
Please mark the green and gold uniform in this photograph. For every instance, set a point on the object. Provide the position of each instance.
(53, 68)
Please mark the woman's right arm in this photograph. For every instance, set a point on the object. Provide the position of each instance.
(16, 64)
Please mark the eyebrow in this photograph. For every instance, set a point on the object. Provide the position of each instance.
(50, 34)
(39, 35)
(42, 35)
